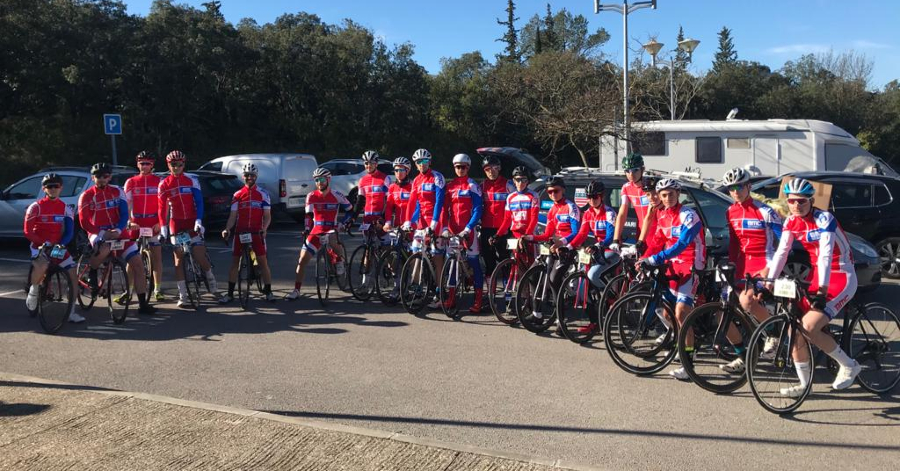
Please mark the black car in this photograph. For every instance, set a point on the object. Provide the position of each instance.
(512, 157)
(863, 204)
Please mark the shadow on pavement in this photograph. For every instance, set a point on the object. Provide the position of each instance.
(21, 410)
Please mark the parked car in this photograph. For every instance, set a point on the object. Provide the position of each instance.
(217, 188)
(345, 174)
(287, 177)
(863, 204)
(512, 157)
(711, 205)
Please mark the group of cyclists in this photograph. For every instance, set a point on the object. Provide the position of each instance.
(483, 215)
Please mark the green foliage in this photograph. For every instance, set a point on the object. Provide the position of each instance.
(726, 56)
(511, 36)
(561, 31)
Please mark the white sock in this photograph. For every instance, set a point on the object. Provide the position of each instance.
(34, 290)
(212, 281)
(182, 288)
(803, 372)
(841, 357)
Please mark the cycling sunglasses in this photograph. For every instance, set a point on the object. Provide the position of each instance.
(401, 169)
(176, 164)
(553, 191)
(460, 166)
(142, 164)
(53, 186)
(423, 161)
(321, 179)
(632, 170)
(520, 180)
(798, 201)
(249, 175)
(735, 187)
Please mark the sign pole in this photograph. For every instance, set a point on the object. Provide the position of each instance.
(115, 157)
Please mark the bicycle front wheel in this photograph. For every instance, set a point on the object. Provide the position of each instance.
(86, 299)
(148, 270)
(55, 300)
(772, 375)
(874, 342)
(191, 280)
(577, 308)
(387, 277)
(118, 291)
(502, 289)
(244, 281)
(451, 288)
(417, 282)
(536, 300)
(360, 272)
(641, 333)
(714, 364)
(324, 270)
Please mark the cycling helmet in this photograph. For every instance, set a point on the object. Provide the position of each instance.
(322, 172)
(668, 184)
(250, 168)
(736, 176)
(520, 172)
(633, 160)
(101, 168)
(462, 159)
(596, 187)
(50, 179)
(490, 161)
(421, 154)
(556, 181)
(649, 183)
(370, 156)
(402, 162)
(799, 186)
(176, 156)
(145, 156)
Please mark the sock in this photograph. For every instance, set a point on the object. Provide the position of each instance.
(297, 285)
(739, 348)
(267, 289)
(33, 290)
(212, 281)
(142, 299)
(182, 288)
(803, 372)
(841, 357)
(231, 288)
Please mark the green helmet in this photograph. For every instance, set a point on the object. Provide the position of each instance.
(633, 160)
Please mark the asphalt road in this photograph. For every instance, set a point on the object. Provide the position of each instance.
(474, 382)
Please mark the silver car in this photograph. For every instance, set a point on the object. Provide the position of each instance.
(345, 174)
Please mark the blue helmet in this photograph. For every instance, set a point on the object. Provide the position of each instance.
(799, 186)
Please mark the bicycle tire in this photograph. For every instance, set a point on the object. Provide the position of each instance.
(451, 309)
(244, 278)
(53, 310)
(118, 290)
(86, 300)
(343, 281)
(875, 355)
(704, 366)
(501, 291)
(323, 275)
(191, 283)
(147, 259)
(361, 263)
(781, 366)
(526, 296)
(576, 290)
(415, 293)
(630, 321)
(387, 274)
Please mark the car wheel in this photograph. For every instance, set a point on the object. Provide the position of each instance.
(889, 252)
(797, 270)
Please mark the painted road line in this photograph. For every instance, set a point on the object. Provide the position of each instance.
(18, 291)
(15, 260)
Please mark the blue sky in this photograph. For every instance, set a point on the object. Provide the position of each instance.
(767, 31)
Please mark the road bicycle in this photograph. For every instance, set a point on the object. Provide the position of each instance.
(112, 281)
(456, 277)
(578, 297)
(361, 267)
(505, 280)
(56, 295)
(144, 239)
(194, 277)
(536, 296)
(389, 265)
(327, 260)
(248, 269)
(417, 279)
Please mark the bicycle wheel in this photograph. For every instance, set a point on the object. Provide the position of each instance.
(874, 341)
(118, 292)
(713, 352)
(324, 271)
(640, 333)
(360, 272)
(770, 374)
(148, 270)
(502, 289)
(576, 303)
(387, 275)
(244, 281)
(343, 281)
(55, 300)
(535, 305)
(417, 282)
(86, 299)
(452, 285)
(191, 282)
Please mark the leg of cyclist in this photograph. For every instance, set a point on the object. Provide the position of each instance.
(684, 287)
(307, 253)
(259, 248)
(156, 260)
(338, 248)
(233, 269)
(39, 268)
(477, 273)
(438, 250)
(199, 251)
(178, 255)
(134, 263)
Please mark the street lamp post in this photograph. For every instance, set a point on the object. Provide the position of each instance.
(686, 45)
(624, 9)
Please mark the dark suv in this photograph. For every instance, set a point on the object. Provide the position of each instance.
(863, 204)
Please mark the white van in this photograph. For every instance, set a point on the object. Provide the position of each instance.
(773, 146)
(287, 177)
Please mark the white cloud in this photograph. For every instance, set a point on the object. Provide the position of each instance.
(865, 44)
(799, 49)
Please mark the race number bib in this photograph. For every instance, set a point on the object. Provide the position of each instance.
(146, 232)
(58, 251)
(117, 244)
(246, 238)
(364, 227)
(544, 250)
(182, 238)
(584, 257)
(512, 244)
(785, 288)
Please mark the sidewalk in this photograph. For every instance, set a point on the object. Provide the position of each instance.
(51, 425)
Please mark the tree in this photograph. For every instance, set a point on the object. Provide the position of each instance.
(726, 55)
(681, 58)
(550, 40)
(511, 37)
(561, 31)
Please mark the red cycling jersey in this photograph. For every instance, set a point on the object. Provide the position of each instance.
(373, 188)
(824, 240)
(654, 241)
(639, 200)
(142, 193)
(181, 196)
(250, 204)
(520, 214)
(397, 202)
(599, 222)
(562, 221)
(494, 194)
(322, 210)
(48, 220)
(463, 205)
(100, 209)
(427, 199)
(682, 231)
(754, 229)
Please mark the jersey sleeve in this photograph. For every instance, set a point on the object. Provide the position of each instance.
(129, 190)
(68, 226)
(33, 212)
(773, 227)
(198, 196)
(123, 210)
(235, 200)
(549, 228)
(412, 207)
(477, 204)
(439, 193)
(266, 199)
(162, 199)
(86, 214)
(733, 243)
(781, 254)
(690, 228)
(582, 233)
(506, 222)
(827, 226)
(533, 213)
(610, 216)
(574, 220)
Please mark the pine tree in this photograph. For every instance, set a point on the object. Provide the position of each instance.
(681, 57)
(511, 37)
(550, 40)
(726, 56)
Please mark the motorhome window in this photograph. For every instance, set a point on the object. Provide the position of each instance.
(882, 195)
(649, 143)
(709, 150)
(837, 155)
(851, 195)
(737, 142)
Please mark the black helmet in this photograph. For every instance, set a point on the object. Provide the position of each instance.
(556, 181)
(145, 156)
(490, 160)
(100, 168)
(649, 183)
(50, 179)
(520, 171)
(596, 187)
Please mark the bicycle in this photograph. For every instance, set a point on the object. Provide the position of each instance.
(417, 278)
(193, 275)
(456, 277)
(363, 260)
(56, 295)
(247, 269)
(577, 296)
(144, 237)
(867, 333)
(535, 296)
(505, 279)
(389, 265)
(112, 282)
(327, 259)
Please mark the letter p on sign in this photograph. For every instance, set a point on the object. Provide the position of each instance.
(112, 124)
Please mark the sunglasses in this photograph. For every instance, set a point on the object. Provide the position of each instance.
(735, 187)
(798, 201)
(144, 164)
(249, 175)
(105, 175)
(520, 180)
(594, 196)
(401, 169)
(632, 170)
(321, 180)
(423, 161)
(553, 191)
(176, 164)
(53, 186)
(460, 166)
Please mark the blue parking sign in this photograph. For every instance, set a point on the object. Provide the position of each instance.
(112, 124)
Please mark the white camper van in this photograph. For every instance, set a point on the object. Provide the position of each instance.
(773, 146)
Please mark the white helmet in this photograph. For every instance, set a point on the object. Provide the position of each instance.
(322, 172)
(421, 154)
(402, 162)
(736, 176)
(668, 184)
(250, 168)
(462, 159)
(370, 156)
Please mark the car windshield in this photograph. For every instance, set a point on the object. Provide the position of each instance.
(220, 185)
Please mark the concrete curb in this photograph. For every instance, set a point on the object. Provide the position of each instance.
(333, 427)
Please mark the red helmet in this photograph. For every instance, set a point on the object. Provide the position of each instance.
(145, 156)
(176, 156)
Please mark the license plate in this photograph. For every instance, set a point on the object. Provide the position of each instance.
(785, 288)
(584, 257)
(146, 232)
(182, 238)
(512, 244)
(57, 251)
(364, 227)
(544, 250)
(117, 244)
(246, 238)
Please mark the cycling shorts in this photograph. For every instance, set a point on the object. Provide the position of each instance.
(438, 244)
(65, 263)
(682, 285)
(185, 225)
(258, 245)
(470, 242)
(130, 249)
(841, 288)
(313, 242)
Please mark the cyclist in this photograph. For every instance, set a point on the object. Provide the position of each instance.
(103, 214)
(428, 195)
(398, 194)
(520, 216)
(373, 190)
(180, 198)
(142, 194)
(754, 229)
(49, 221)
(251, 211)
(322, 206)
(463, 211)
(597, 220)
(682, 232)
(494, 190)
(648, 242)
(833, 281)
(632, 195)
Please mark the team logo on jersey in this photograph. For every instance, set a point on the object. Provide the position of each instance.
(563, 217)
(184, 189)
(519, 205)
(404, 195)
(500, 196)
(330, 206)
(463, 193)
(752, 224)
(428, 187)
(58, 218)
(645, 201)
(378, 189)
(813, 236)
(676, 231)
(110, 203)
